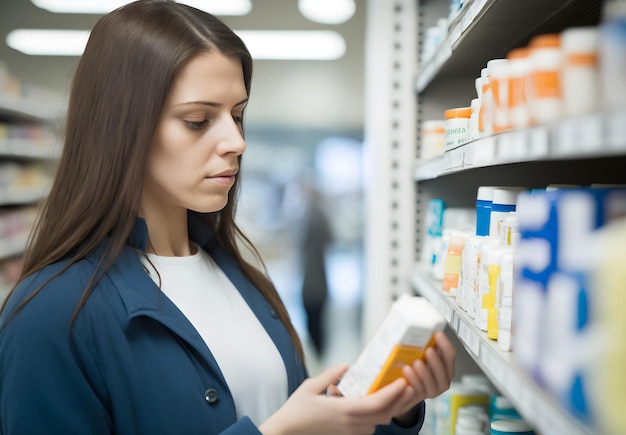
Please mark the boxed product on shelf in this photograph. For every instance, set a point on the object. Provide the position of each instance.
(552, 316)
(606, 366)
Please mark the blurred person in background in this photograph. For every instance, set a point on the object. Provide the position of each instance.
(136, 312)
(316, 238)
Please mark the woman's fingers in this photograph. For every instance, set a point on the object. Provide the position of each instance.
(332, 390)
(330, 376)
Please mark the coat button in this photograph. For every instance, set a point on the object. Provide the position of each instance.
(274, 313)
(211, 396)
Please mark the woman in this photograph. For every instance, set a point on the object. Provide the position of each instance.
(136, 312)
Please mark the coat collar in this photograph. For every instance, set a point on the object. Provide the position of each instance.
(142, 297)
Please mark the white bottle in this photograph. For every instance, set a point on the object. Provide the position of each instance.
(546, 61)
(580, 76)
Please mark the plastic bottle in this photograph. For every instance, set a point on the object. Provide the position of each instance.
(613, 55)
(505, 301)
(498, 70)
(485, 127)
(433, 138)
(504, 201)
(469, 274)
(483, 298)
(519, 68)
(462, 395)
(511, 426)
(457, 126)
(456, 243)
(473, 123)
(484, 201)
(501, 408)
(580, 76)
(546, 61)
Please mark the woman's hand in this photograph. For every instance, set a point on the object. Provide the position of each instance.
(309, 411)
(427, 379)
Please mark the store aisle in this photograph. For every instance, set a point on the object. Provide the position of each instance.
(342, 315)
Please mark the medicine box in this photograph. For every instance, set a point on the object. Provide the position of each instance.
(402, 338)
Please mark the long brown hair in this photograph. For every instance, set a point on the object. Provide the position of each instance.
(120, 86)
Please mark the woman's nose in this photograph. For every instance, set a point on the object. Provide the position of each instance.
(232, 140)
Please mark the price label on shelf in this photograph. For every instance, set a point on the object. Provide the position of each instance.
(505, 147)
(538, 142)
(469, 337)
(456, 158)
(455, 33)
(616, 131)
(468, 155)
(455, 323)
(520, 144)
(484, 151)
(448, 311)
(493, 365)
(578, 135)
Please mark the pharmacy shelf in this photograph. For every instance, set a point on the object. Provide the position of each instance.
(22, 195)
(28, 149)
(537, 406)
(593, 136)
(28, 109)
(488, 29)
(12, 246)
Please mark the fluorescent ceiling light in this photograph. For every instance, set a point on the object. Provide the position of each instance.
(263, 44)
(294, 44)
(41, 42)
(327, 11)
(216, 7)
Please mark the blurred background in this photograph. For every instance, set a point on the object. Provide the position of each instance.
(302, 189)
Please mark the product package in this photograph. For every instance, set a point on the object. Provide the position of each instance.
(402, 338)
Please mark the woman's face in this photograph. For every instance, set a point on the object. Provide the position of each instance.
(194, 155)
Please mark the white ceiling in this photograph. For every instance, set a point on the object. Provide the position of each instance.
(323, 95)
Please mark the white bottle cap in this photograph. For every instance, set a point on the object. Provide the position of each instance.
(485, 193)
(506, 195)
(580, 39)
(510, 425)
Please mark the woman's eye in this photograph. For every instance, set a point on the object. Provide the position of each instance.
(196, 125)
(238, 119)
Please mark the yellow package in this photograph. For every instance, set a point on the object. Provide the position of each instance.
(402, 338)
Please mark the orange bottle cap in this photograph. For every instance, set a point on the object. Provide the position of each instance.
(459, 112)
(548, 40)
(518, 53)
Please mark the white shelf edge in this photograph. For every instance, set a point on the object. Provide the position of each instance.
(538, 407)
(589, 136)
(13, 246)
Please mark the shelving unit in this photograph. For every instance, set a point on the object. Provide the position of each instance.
(19, 156)
(583, 150)
(599, 135)
(536, 405)
(580, 151)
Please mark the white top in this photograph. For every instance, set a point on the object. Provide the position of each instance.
(250, 362)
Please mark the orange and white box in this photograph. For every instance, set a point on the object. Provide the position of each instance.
(401, 339)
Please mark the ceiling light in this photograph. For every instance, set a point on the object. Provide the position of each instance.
(263, 44)
(327, 11)
(216, 7)
(294, 44)
(48, 42)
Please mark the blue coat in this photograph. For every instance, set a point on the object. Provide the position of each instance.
(131, 363)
